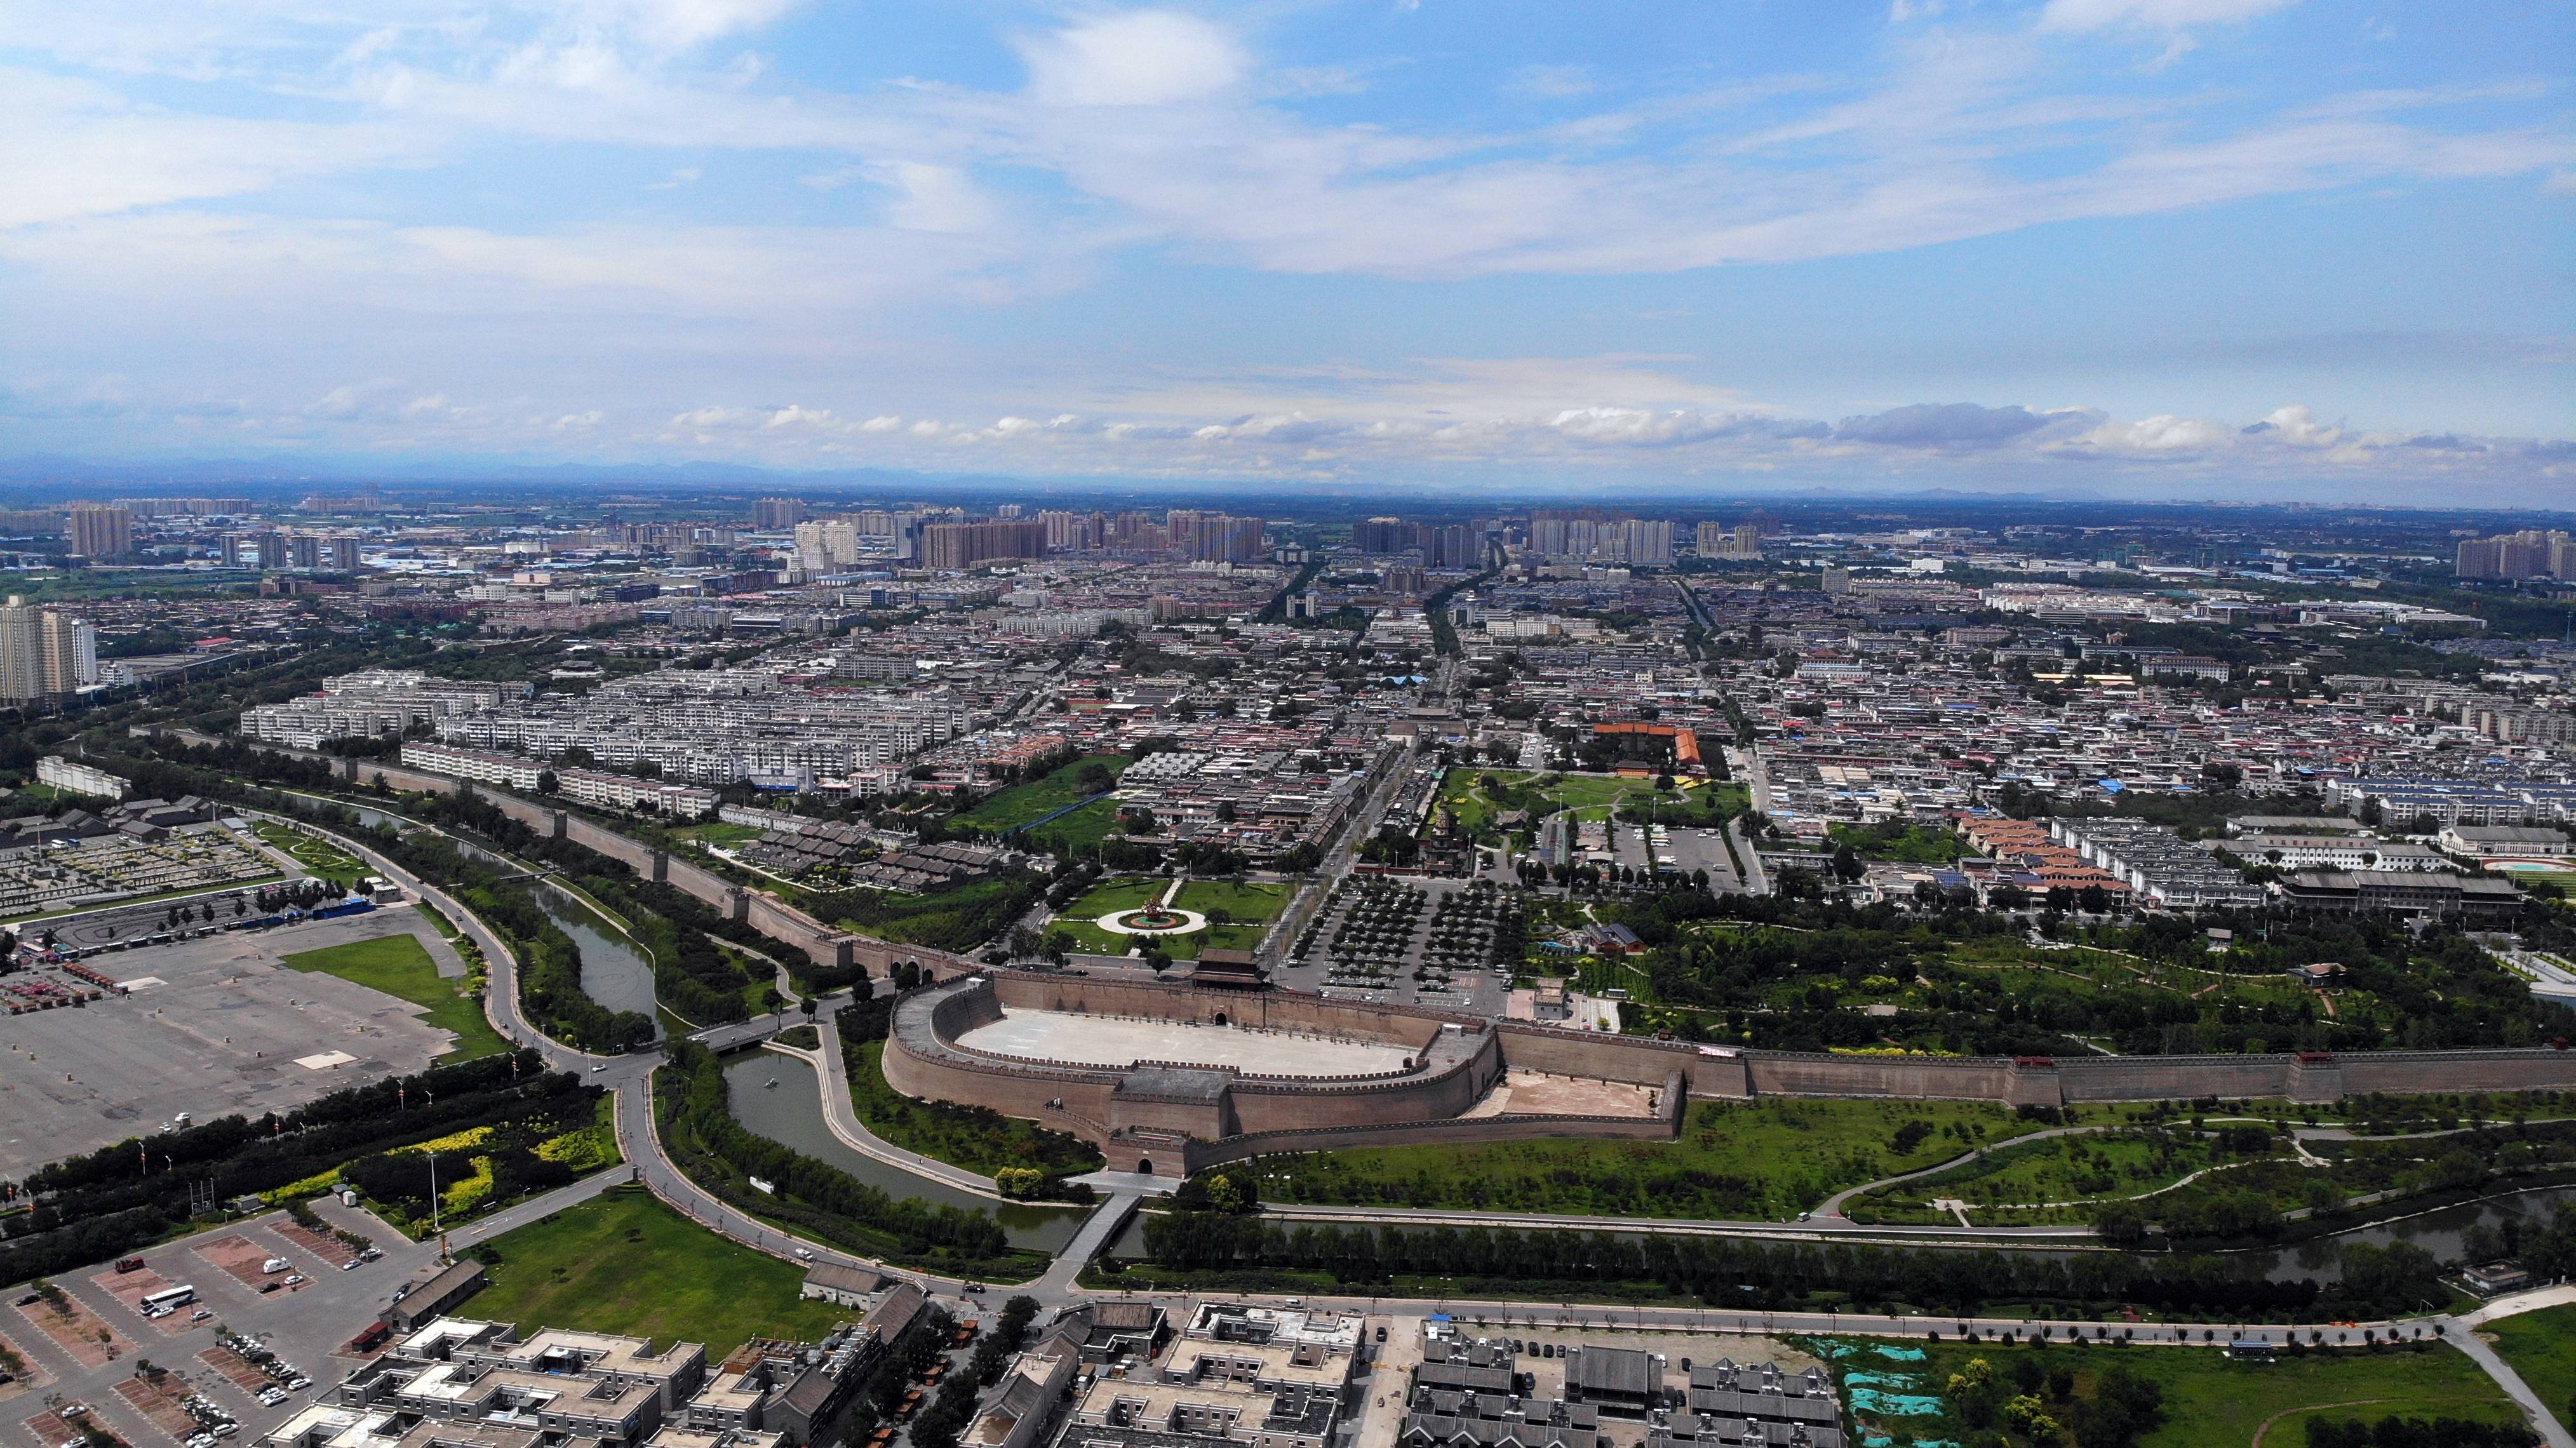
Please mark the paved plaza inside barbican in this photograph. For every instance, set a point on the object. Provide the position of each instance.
(1122, 1042)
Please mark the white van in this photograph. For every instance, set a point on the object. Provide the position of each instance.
(275, 1264)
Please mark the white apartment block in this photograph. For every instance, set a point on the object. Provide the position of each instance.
(592, 787)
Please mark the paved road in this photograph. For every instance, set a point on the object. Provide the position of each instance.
(843, 1118)
(1836, 1227)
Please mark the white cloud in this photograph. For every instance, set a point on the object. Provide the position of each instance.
(2162, 433)
(2153, 14)
(72, 148)
(680, 24)
(1141, 58)
(1552, 82)
(2296, 426)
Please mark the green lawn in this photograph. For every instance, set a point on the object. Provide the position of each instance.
(1762, 1160)
(2209, 1401)
(399, 967)
(1075, 833)
(1108, 898)
(1246, 901)
(1476, 806)
(1252, 906)
(2086, 1168)
(2541, 1346)
(1900, 840)
(320, 858)
(974, 1137)
(1128, 892)
(1038, 798)
(623, 1262)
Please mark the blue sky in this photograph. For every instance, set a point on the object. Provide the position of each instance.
(2168, 248)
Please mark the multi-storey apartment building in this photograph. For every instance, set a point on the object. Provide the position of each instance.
(44, 654)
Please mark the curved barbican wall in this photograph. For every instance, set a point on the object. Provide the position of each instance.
(923, 1058)
(920, 1062)
(1447, 1089)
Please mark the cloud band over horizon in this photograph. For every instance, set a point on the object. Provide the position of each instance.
(2128, 245)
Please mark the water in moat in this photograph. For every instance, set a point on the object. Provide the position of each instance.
(613, 972)
(791, 1113)
(2438, 1232)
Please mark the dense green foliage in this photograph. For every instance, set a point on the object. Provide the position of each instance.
(960, 917)
(1733, 1272)
(1721, 1271)
(2403, 989)
(2394, 1431)
(550, 992)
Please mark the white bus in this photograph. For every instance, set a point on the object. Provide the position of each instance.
(169, 1297)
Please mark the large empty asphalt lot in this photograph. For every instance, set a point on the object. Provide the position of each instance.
(222, 1034)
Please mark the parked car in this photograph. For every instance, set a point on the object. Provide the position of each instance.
(294, 1279)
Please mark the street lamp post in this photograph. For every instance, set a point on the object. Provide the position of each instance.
(433, 1192)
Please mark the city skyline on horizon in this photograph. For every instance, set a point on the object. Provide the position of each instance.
(2097, 250)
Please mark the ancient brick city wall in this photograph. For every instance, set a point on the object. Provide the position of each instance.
(1618, 1058)
(920, 1062)
(1270, 1106)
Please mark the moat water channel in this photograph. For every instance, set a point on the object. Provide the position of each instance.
(791, 1113)
(613, 971)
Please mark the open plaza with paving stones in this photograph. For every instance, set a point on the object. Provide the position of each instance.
(211, 1026)
(1112, 1041)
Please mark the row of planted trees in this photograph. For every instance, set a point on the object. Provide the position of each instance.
(1743, 1273)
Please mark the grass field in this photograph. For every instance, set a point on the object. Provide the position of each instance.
(1076, 833)
(320, 858)
(2063, 1169)
(1108, 898)
(622, 1262)
(1911, 843)
(1476, 805)
(2541, 1346)
(2209, 1401)
(1250, 904)
(1764, 1160)
(976, 1138)
(399, 967)
(1038, 798)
